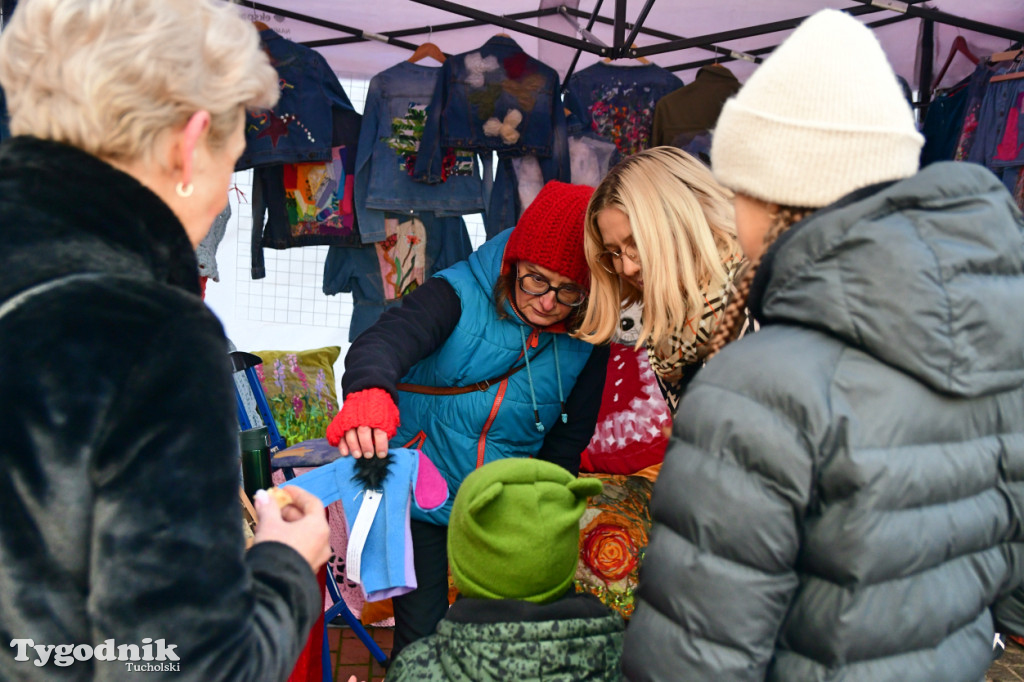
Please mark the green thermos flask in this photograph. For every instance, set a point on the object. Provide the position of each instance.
(255, 460)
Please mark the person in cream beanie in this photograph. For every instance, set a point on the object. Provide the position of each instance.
(838, 500)
(823, 116)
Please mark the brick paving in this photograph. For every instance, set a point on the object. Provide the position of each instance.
(1009, 667)
(349, 657)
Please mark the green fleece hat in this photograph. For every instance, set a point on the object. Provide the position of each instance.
(514, 531)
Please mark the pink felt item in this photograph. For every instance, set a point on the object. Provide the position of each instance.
(430, 489)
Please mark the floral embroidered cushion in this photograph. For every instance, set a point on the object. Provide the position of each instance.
(613, 538)
(300, 390)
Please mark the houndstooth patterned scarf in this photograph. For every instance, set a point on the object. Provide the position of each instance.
(677, 361)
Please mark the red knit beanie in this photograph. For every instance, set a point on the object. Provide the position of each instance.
(550, 232)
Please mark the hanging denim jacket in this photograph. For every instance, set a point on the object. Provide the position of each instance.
(996, 105)
(496, 99)
(379, 275)
(393, 120)
(313, 114)
(976, 87)
(617, 102)
(998, 139)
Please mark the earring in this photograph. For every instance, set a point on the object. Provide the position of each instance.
(184, 191)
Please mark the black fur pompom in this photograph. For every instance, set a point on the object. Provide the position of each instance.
(371, 472)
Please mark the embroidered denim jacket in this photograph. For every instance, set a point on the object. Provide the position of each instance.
(313, 115)
(393, 119)
(496, 98)
(617, 102)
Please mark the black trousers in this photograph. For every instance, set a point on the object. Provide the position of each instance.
(418, 612)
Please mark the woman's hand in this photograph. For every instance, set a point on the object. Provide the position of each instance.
(302, 525)
(364, 441)
(367, 419)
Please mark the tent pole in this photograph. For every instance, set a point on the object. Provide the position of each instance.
(761, 29)
(744, 32)
(439, 28)
(516, 26)
(304, 18)
(926, 50)
(576, 57)
(619, 29)
(631, 40)
(950, 19)
(758, 52)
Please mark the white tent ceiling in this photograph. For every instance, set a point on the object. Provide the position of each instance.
(682, 18)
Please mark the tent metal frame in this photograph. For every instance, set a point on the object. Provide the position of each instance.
(623, 44)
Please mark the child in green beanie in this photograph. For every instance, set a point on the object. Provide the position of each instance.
(513, 544)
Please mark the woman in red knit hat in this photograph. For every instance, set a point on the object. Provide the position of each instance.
(478, 365)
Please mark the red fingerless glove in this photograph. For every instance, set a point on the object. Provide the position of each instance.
(371, 407)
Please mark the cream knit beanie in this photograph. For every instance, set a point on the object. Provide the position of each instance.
(822, 117)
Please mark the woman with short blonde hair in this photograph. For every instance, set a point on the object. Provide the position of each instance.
(119, 470)
(660, 231)
(66, 81)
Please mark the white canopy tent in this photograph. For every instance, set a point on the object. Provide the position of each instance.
(348, 33)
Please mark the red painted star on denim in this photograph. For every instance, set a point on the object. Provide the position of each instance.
(277, 129)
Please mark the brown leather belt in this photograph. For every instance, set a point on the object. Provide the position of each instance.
(458, 390)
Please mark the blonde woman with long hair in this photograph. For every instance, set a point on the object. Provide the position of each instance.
(660, 232)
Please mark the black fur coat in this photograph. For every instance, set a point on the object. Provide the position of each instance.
(119, 474)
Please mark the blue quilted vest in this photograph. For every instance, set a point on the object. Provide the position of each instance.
(484, 346)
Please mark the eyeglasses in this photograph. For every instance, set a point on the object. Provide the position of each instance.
(566, 294)
(609, 259)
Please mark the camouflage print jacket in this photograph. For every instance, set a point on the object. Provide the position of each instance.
(480, 640)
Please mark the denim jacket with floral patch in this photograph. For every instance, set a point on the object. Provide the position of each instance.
(617, 102)
(393, 122)
(496, 98)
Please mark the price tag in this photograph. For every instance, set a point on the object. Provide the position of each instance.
(360, 531)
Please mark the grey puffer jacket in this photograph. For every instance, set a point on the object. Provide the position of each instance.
(844, 495)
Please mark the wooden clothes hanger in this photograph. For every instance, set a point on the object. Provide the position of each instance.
(1017, 56)
(642, 60)
(1005, 56)
(427, 50)
(959, 46)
